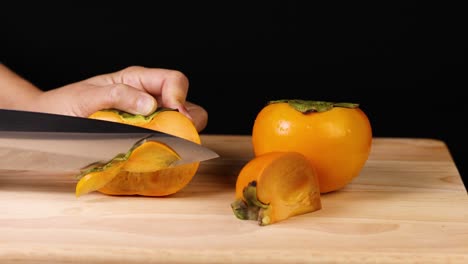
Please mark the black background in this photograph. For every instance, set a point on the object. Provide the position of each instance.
(405, 65)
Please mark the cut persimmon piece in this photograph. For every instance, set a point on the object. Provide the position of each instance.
(145, 156)
(96, 178)
(275, 186)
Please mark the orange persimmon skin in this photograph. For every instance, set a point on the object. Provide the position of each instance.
(159, 183)
(337, 142)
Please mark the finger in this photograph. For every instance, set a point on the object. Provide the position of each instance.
(170, 86)
(174, 90)
(199, 115)
(117, 96)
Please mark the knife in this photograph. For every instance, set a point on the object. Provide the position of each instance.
(36, 141)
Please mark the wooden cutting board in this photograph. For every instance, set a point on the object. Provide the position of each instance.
(408, 205)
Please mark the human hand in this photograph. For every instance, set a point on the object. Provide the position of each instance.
(137, 90)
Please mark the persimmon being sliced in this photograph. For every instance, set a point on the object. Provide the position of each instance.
(276, 186)
(147, 168)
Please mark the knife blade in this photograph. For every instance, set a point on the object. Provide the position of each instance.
(35, 141)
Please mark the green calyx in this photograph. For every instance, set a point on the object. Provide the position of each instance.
(307, 106)
(250, 208)
(135, 117)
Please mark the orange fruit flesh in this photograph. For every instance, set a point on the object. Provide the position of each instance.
(159, 183)
(151, 156)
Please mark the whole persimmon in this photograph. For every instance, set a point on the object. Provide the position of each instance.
(133, 175)
(335, 137)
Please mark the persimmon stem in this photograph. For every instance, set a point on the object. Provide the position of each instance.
(249, 208)
(250, 195)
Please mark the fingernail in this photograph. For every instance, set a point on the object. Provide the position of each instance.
(146, 105)
(185, 111)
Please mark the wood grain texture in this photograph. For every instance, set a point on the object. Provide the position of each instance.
(408, 205)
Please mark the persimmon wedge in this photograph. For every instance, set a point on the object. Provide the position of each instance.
(149, 156)
(275, 186)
